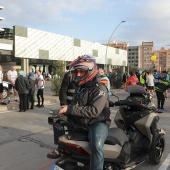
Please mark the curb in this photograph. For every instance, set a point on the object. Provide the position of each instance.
(3, 109)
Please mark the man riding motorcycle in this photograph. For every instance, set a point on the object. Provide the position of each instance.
(90, 107)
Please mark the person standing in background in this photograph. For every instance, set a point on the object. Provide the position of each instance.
(22, 86)
(165, 77)
(138, 75)
(32, 80)
(1, 86)
(104, 79)
(12, 75)
(124, 78)
(160, 89)
(40, 85)
(150, 83)
(142, 80)
(110, 76)
(145, 76)
(131, 80)
(157, 77)
(5, 76)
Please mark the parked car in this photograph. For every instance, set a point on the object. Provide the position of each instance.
(5, 89)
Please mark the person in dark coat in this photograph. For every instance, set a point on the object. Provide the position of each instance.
(90, 107)
(32, 80)
(22, 86)
(66, 93)
(124, 78)
(160, 89)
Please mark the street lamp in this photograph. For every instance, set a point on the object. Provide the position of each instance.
(109, 44)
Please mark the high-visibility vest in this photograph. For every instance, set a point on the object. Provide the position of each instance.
(142, 80)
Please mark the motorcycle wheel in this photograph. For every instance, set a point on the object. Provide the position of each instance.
(156, 153)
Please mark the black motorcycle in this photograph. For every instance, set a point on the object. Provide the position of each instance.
(135, 138)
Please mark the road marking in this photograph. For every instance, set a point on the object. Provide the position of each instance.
(47, 166)
(165, 164)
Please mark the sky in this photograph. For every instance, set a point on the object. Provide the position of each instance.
(94, 20)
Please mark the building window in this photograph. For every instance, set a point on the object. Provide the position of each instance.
(95, 53)
(117, 51)
(77, 42)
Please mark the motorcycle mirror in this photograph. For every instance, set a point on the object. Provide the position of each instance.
(51, 112)
(110, 93)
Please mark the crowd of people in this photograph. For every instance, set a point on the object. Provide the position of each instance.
(152, 81)
(149, 80)
(23, 85)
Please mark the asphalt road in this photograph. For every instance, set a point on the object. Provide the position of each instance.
(26, 138)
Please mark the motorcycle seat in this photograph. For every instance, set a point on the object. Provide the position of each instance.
(116, 136)
(78, 135)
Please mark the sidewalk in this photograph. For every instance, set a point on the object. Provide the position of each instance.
(49, 98)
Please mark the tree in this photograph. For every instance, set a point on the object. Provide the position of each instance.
(58, 72)
(132, 68)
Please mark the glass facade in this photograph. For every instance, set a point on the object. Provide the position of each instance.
(7, 34)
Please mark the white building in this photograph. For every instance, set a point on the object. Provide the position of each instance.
(31, 44)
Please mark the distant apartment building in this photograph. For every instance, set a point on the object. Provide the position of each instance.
(138, 56)
(145, 53)
(163, 59)
(123, 45)
(133, 56)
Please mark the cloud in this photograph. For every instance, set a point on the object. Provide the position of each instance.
(146, 20)
(43, 11)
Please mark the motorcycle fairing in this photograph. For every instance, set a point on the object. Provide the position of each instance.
(144, 124)
(116, 136)
(110, 151)
(142, 120)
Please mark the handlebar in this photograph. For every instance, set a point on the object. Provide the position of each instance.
(122, 102)
(128, 102)
(54, 116)
(57, 118)
(133, 103)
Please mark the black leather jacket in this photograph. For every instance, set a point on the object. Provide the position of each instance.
(32, 80)
(67, 89)
(22, 85)
(90, 104)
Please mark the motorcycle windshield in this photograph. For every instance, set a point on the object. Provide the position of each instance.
(136, 89)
